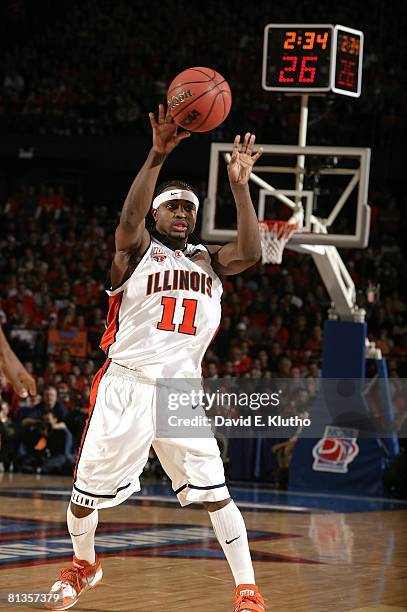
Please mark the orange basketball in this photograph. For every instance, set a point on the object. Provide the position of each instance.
(199, 99)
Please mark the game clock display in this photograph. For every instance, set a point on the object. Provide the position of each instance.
(303, 58)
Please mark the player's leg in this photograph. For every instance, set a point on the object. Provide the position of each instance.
(113, 454)
(86, 570)
(230, 530)
(196, 471)
(82, 523)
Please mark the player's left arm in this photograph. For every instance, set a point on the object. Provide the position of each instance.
(234, 257)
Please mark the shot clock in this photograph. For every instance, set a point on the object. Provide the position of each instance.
(347, 58)
(303, 58)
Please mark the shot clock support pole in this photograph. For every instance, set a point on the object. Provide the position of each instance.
(302, 141)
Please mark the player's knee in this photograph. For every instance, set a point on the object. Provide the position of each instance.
(218, 505)
(80, 511)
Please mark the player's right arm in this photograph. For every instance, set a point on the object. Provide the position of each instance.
(131, 237)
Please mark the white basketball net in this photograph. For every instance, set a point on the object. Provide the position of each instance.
(274, 235)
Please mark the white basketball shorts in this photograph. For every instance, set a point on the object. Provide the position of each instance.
(116, 441)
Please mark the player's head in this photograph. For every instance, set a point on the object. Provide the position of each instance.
(174, 209)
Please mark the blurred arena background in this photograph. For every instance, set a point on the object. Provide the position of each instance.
(77, 80)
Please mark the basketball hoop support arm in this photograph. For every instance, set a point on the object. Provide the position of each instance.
(339, 285)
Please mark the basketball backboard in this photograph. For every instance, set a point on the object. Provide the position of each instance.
(331, 206)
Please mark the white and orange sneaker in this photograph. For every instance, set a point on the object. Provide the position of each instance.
(248, 599)
(73, 581)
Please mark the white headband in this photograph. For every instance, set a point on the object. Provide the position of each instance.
(175, 194)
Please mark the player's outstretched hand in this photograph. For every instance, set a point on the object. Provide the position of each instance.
(14, 371)
(165, 134)
(242, 159)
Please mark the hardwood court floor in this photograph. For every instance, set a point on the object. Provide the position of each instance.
(157, 556)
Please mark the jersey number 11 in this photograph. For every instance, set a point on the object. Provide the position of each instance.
(187, 326)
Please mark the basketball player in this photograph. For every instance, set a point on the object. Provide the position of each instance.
(14, 371)
(164, 311)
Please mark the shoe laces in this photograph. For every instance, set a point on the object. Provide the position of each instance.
(75, 576)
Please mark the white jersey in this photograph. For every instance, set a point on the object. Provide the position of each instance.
(163, 318)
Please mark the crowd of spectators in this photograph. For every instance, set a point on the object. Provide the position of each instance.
(54, 260)
(98, 68)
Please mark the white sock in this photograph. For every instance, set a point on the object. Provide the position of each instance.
(82, 532)
(228, 525)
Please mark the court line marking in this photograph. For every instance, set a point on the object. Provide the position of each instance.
(325, 495)
(174, 500)
(169, 499)
(257, 489)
